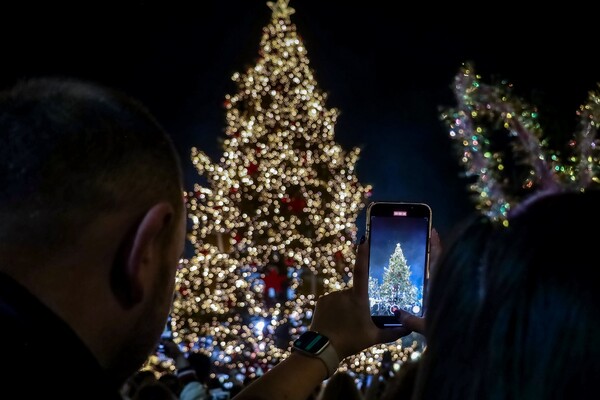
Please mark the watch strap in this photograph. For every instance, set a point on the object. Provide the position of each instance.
(330, 358)
(327, 355)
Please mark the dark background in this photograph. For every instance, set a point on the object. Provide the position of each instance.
(386, 66)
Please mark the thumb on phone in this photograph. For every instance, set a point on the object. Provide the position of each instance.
(409, 321)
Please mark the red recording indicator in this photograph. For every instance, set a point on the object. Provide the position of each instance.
(399, 213)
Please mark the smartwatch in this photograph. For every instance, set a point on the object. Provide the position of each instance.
(316, 345)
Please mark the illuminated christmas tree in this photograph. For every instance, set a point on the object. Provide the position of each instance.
(275, 221)
(396, 285)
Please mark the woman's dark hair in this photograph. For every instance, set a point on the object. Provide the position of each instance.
(513, 312)
(452, 302)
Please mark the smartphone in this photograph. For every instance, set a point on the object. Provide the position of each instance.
(398, 234)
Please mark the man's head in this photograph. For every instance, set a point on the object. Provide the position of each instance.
(92, 212)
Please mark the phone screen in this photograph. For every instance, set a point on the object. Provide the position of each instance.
(399, 236)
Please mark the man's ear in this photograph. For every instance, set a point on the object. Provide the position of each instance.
(140, 249)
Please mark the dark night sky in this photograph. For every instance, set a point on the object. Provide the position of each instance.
(387, 69)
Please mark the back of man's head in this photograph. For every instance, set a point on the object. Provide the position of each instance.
(71, 151)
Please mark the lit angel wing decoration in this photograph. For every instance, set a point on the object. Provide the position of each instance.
(500, 144)
(586, 165)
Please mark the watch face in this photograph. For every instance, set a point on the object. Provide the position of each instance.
(311, 342)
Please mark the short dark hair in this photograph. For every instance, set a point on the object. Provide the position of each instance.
(71, 150)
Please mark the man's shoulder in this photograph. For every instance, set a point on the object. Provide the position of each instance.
(41, 353)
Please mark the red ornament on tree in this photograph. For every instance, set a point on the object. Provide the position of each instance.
(183, 290)
(233, 132)
(274, 283)
(297, 205)
(252, 168)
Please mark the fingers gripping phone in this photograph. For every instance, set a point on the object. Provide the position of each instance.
(398, 235)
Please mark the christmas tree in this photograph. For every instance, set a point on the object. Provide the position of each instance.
(273, 223)
(397, 287)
